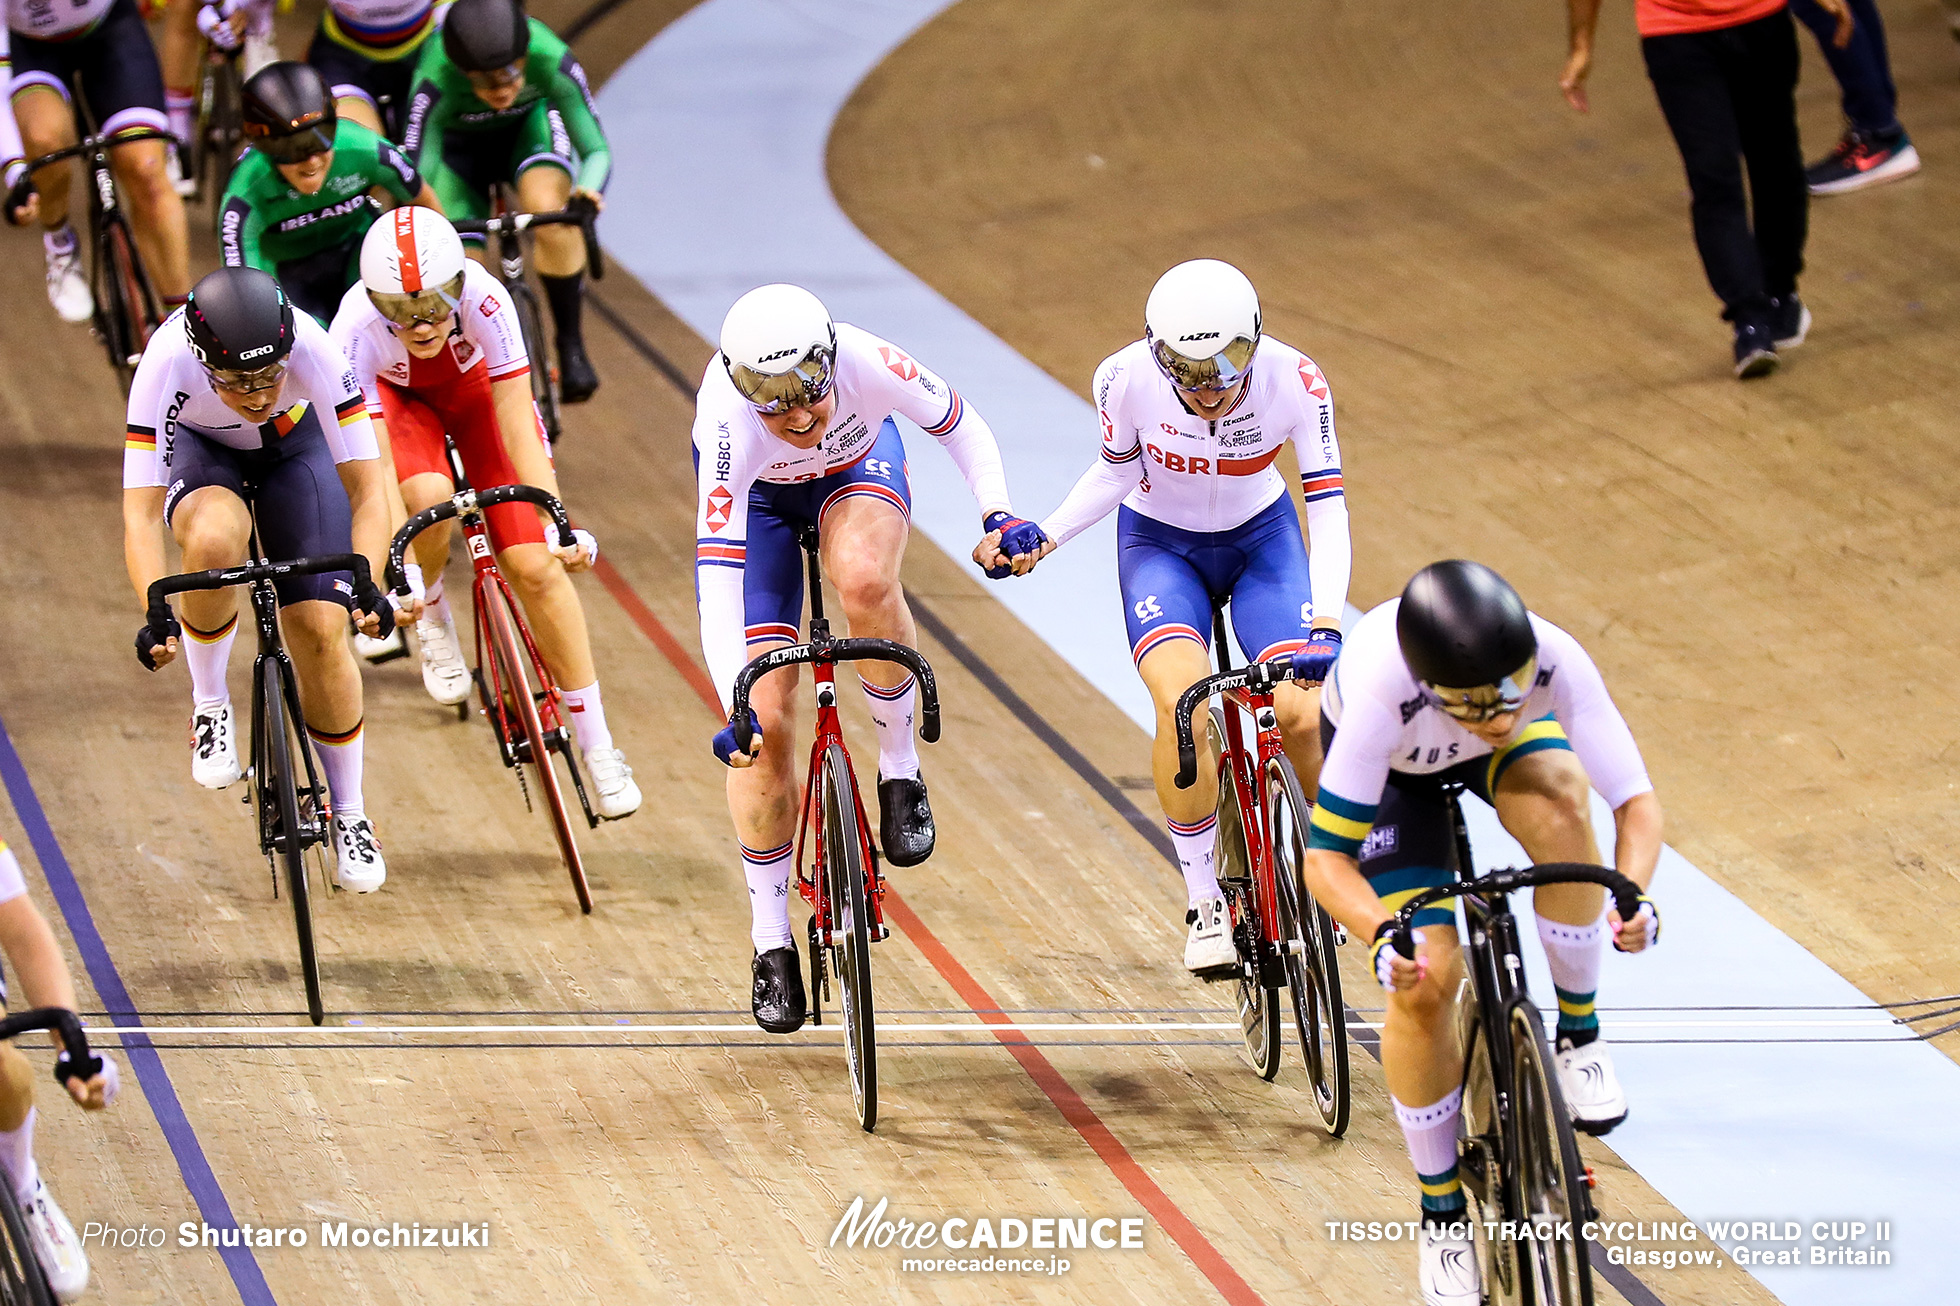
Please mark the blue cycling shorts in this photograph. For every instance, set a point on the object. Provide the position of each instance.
(772, 583)
(1171, 578)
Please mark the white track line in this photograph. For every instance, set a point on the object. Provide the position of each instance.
(235, 1031)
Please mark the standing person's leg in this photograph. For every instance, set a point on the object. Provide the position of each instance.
(1689, 73)
(1874, 147)
(1766, 114)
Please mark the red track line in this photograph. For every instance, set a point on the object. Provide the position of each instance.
(1049, 1080)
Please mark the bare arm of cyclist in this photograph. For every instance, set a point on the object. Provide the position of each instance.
(1637, 825)
(143, 552)
(517, 423)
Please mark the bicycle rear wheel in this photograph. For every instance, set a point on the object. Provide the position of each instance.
(1551, 1177)
(22, 1281)
(1313, 974)
(1259, 1009)
(544, 385)
(220, 136)
(513, 677)
(845, 870)
(283, 779)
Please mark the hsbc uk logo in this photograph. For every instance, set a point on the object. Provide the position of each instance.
(720, 504)
(901, 367)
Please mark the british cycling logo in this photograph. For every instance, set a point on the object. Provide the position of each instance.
(862, 1229)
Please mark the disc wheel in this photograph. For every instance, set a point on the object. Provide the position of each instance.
(279, 795)
(1313, 973)
(512, 678)
(844, 870)
(1551, 1176)
(1259, 1009)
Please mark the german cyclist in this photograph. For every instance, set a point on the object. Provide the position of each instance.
(244, 409)
(500, 99)
(1456, 681)
(105, 42)
(31, 950)
(793, 429)
(308, 189)
(436, 347)
(1194, 415)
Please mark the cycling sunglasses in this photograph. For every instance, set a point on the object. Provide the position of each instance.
(234, 381)
(1220, 371)
(773, 393)
(296, 147)
(1484, 702)
(497, 78)
(421, 307)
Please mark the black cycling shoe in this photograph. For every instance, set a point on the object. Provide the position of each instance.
(778, 1000)
(576, 379)
(904, 821)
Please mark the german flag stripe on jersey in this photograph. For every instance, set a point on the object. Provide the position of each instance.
(141, 438)
(350, 409)
(1340, 824)
(283, 424)
(1324, 484)
(955, 411)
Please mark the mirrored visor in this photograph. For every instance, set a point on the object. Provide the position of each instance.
(1220, 371)
(1483, 702)
(803, 386)
(432, 305)
(245, 383)
(296, 147)
(496, 79)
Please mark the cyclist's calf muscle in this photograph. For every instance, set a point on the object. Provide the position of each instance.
(763, 798)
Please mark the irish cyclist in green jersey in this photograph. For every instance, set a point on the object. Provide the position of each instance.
(500, 99)
(309, 188)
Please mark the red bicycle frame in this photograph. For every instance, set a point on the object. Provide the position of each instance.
(476, 536)
(831, 731)
(1244, 770)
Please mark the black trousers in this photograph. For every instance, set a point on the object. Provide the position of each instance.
(1730, 99)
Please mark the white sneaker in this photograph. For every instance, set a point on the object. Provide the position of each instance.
(55, 1244)
(443, 673)
(612, 783)
(1447, 1267)
(1592, 1091)
(1209, 946)
(214, 748)
(173, 168)
(68, 286)
(385, 649)
(357, 857)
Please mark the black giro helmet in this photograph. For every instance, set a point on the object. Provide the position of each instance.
(482, 36)
(287, 99)
(238, 320)
(1462, 626)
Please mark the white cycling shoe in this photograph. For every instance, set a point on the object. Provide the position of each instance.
(1208, 948)
(612, 783)
(1593, 1095)
(357, 855)
(173, 168)
(55, 1245)
(444, 674)
(68, 286)
(1447, 1267)
(214, 748)
(387, 648)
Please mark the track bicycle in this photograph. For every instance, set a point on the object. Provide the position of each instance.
(22, 1281)
(219, 137)
(836, 864)
(1517, 1152)
(289, 800)
(126, 304)
(1285, 939)
(508, 227)
(515, 689)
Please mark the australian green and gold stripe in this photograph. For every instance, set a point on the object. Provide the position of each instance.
(1540, 735)
(1340, 824)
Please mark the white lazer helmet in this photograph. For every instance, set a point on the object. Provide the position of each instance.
(1202, 322)
(780, 348)
(412, 265)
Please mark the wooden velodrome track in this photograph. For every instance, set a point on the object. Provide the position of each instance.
(1533, 322)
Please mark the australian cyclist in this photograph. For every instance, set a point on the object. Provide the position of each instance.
(1456, 682)
(308, 189)
(499, 99)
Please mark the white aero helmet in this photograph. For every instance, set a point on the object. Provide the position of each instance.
(1202, 322)
(412, 265)
(780, 348)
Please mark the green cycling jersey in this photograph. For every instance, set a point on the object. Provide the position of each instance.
(265, 221)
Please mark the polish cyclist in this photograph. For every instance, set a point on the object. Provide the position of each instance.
(435, 346)
(243, 409)
(793, 429)
(1194, 416)
(1456, 681)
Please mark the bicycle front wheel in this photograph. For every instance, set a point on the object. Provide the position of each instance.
(284, 776)
(22, 1281)
(513, 676)
(846, 873)
(1259, 1009)
(1313, 974)
(1485, 1165)
(119, 301)
(1551, 1177)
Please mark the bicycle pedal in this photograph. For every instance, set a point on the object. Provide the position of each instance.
(1219, 974)
(1592, 1178)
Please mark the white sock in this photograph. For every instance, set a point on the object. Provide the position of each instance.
(436, 600)
(892, 711)
(17, 1156)
(588, 717)
(768, 877)
(1196, 858)
(182, 108)
(208, 654)
(340, 763)
(1574, 953)
(59, 241)
(1430, 1132)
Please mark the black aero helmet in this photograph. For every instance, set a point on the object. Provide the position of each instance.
(288, 111)
(1461, 625)
(239, 320)
(483, 36)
